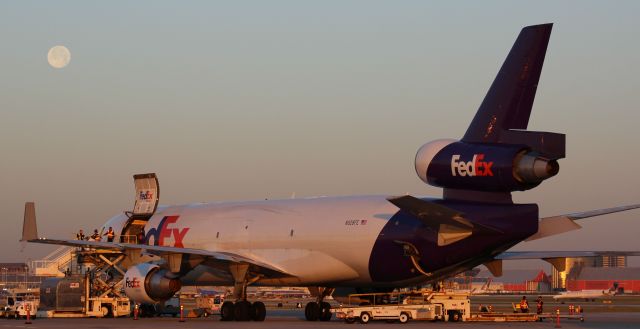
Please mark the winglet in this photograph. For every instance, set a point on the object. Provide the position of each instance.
(29, 228)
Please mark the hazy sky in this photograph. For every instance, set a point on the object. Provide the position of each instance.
(260, 99)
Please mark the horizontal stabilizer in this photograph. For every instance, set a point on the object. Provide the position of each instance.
(449, 223)
(555, 225)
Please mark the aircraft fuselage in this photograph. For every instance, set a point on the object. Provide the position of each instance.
(337, 241)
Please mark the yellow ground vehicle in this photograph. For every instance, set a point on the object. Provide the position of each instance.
(405, 306)
(108, 307)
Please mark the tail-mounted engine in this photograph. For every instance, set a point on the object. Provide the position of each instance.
(148, 283)
(497, 154)
(483, 167)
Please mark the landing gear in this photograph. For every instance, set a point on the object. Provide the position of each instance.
(242, 310)
(312, 311)
(319, 310)
(226, 311)
(258, 311)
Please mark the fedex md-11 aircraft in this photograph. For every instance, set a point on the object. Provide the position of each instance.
(361, 243)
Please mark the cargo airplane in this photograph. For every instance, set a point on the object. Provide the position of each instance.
(587, 295)
(361, 243)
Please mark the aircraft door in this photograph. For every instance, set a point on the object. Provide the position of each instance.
(147, 195)
(146, 202)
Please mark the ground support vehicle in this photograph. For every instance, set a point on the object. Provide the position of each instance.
(405, 306)
(108, 307)
(19, 309)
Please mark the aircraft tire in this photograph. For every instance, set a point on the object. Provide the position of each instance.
(242, 310)
(312, 311)
(227, 311)
(258, 311)
(325, 311)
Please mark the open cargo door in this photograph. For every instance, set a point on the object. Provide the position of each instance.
(147, 195)
(146, 202)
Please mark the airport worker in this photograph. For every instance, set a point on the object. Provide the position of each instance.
(490, 308)
(110, 234)
(524, 305)
(539, 304)
(80, 235)
(96, 236)
(141, 238)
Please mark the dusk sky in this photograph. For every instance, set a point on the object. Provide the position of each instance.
(244, 100)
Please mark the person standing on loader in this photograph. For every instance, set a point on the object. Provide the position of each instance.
(524, 305)
(110, 234)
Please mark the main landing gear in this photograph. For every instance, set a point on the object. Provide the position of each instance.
(318, 310)
(242, 309)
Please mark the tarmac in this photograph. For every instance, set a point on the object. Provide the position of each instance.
(277, 319)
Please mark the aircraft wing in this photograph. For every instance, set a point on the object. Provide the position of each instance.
(554, 225)
(513, 255)
(555, 258)
(450, 224)
(30, 234)
(222, 256)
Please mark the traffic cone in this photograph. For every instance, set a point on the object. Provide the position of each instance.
(28, 307)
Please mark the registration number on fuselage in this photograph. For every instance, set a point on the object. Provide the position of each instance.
(354, 222)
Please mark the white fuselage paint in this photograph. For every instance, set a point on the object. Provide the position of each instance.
(316, 240)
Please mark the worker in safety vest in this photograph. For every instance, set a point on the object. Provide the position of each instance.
(524, 305)
(110, 234)
(96, 236)
(539, 305)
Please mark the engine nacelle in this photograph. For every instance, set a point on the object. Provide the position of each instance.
(148, 283)
(482, 167)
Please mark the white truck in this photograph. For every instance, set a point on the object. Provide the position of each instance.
(405, 306)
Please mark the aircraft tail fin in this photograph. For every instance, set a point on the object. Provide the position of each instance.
(509, 100)
(29, 228)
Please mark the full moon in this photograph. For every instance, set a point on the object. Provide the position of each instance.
(58, 57)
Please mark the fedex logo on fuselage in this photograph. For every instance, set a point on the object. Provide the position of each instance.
(475, 167)
(163, 232)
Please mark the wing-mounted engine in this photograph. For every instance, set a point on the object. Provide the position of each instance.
(146, 202)
(149, 283)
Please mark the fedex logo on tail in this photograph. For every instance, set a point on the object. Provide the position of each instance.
(164, 231)
(476, 167)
